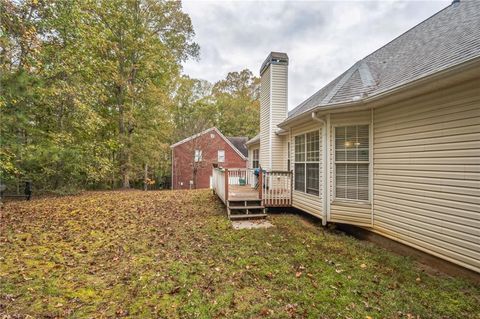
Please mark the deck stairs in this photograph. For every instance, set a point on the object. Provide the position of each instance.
(245, 209)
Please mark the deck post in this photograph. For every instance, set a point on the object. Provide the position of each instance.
(226, 184)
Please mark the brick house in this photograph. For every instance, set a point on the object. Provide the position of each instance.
(200, 152)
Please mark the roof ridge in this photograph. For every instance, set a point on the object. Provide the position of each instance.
(366, 74)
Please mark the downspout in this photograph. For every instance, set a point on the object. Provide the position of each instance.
(324, 166)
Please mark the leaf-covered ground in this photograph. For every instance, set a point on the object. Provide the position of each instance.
(173, 254)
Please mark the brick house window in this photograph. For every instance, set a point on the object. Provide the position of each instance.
(221, 156)
(198, 156)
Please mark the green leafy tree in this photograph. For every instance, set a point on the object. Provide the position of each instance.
(237, 103)
(146, 42)
(86, 88)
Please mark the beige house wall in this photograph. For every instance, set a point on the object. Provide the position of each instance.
(427, 173)
(424, 173)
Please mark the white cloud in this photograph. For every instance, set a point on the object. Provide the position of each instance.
(322, 38)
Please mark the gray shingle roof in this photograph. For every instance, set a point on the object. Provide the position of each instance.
(448, 38)
(239, 143)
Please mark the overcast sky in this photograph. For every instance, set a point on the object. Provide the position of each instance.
(322, 38)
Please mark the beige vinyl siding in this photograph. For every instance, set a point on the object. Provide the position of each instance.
(278, 113)
(309, 203)
(343, 211)
(265, 118)
(427, 173)
(282, 156)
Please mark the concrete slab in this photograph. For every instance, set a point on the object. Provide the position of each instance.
(251, 224)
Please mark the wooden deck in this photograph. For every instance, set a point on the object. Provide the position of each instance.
(237, 192)
(244, 201)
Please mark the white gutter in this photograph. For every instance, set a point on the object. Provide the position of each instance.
(281, 132)
(324, 166)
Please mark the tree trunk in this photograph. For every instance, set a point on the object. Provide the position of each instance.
(124, 152)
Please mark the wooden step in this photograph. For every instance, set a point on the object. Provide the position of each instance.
(246, 207)
(242, 216)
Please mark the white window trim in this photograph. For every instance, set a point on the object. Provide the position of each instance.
(334, 169)
(294, 162)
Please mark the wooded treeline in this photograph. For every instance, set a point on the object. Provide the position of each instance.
(92, 92)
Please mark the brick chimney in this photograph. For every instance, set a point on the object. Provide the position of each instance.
(273, 109)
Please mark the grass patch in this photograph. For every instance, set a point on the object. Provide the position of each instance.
(173, 254)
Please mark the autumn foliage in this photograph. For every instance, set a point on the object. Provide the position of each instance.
(173, 254)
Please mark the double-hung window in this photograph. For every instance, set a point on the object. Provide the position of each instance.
(307, 163)
(352, 162)
(255, 158)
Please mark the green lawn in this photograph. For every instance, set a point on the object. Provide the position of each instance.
(173, 254)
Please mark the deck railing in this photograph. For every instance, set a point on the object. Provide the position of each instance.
(241, 176)
(277, 188)
(274, 187)
(218, 183)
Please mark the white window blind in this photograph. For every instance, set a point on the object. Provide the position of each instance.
(352, 162)
(307, 163)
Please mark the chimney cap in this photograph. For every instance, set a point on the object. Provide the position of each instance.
(455, 1)
(274, 58)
